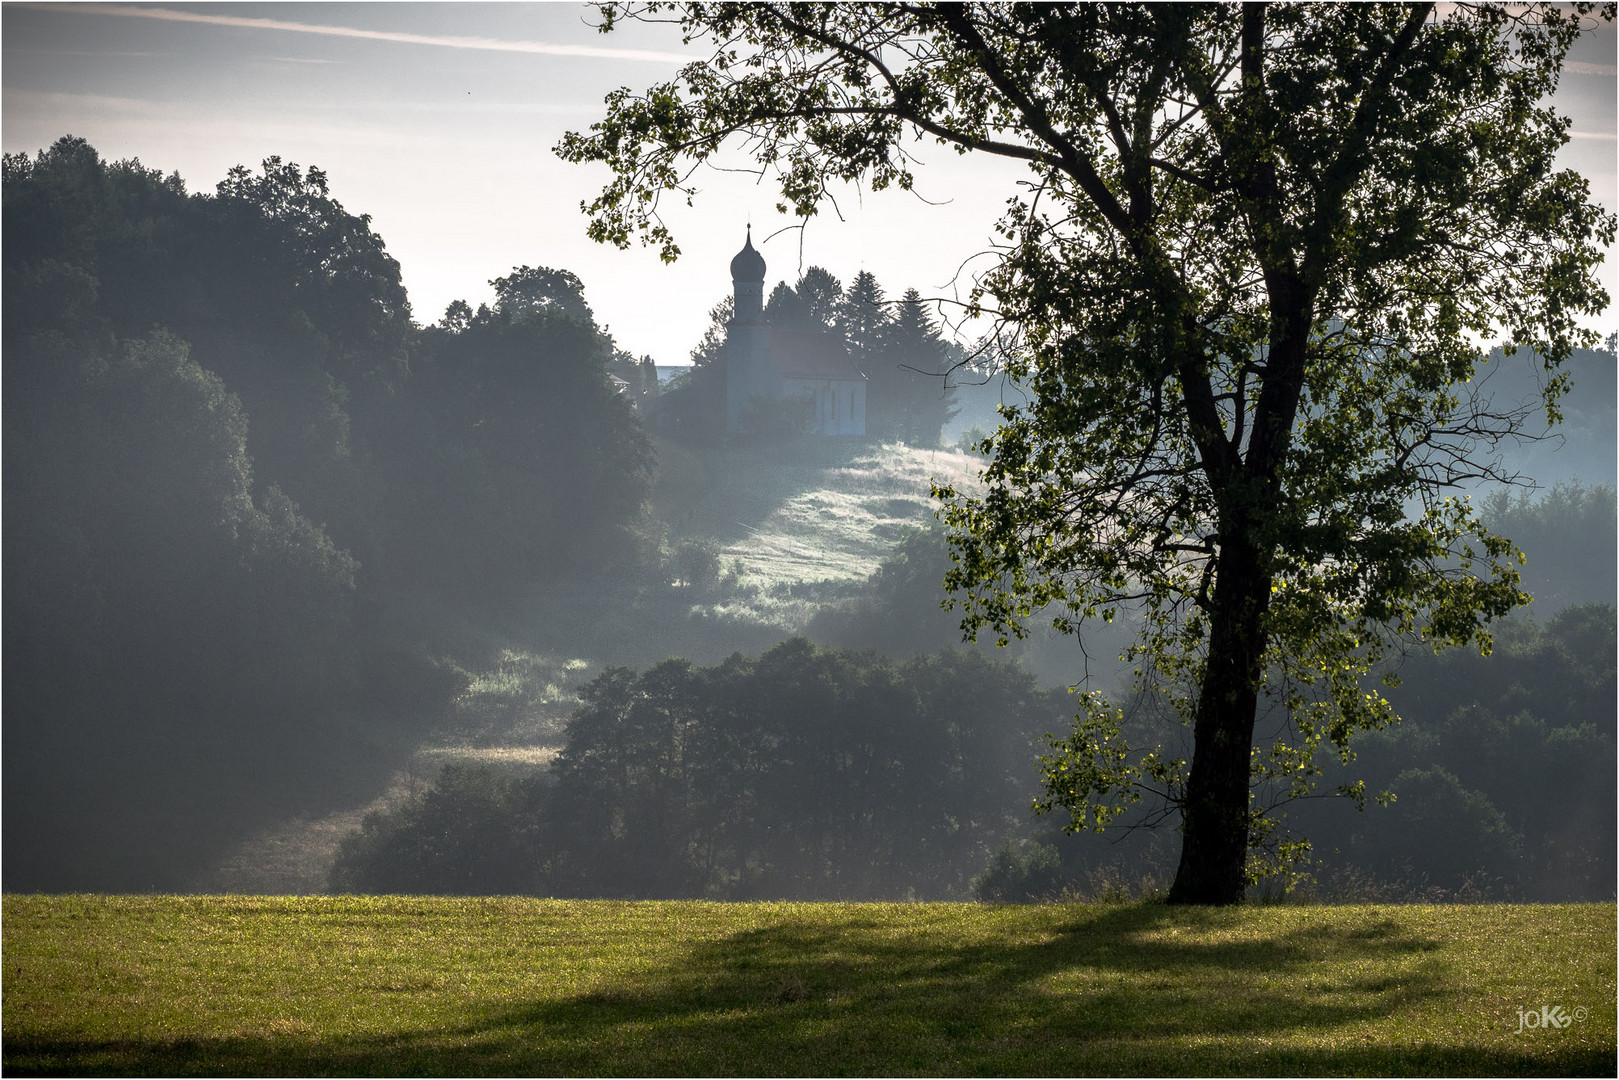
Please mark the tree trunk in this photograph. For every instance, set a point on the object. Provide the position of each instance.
(1214, 822)
(1214, 818)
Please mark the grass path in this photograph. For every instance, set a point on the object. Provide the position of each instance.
(403, 986)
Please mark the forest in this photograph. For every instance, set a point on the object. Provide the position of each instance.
(229, 452)
(264, 527)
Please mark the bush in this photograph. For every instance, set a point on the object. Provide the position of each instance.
(696, 564)
(972, 441)
(1438, 831)
(1504, 766)
(468, 835)
(1022, 876)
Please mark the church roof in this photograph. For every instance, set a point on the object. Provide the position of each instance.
(748, 264)
(800, 354)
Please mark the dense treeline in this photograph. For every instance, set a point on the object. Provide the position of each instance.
(872, 779)
(1502, 769)
(1503, 778)
(1504, 775)
(228, 452)
(804, 773)
(1567, 534)
(519, 461)
(831, 773)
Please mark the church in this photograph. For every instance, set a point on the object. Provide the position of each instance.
(766, 364)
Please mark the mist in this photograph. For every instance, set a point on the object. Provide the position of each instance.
(309, 591)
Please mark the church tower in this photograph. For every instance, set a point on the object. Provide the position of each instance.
(805, 377)
(747, 367)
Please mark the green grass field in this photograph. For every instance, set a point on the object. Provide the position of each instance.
(409, 986)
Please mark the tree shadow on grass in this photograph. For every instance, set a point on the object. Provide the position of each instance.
(1129, 990)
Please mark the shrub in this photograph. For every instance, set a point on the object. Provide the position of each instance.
(468, 835)
(696, 564)
(1022, 876)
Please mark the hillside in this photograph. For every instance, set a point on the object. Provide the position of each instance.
(801, 517)
(795, 531)
(796, 525)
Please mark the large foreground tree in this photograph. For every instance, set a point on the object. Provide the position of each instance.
(1246, 281)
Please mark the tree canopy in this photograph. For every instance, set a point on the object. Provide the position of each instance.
(230, 459)
(1247, 280)
(803, 773)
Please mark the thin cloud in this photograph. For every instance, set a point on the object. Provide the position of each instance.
(23, 50)
(1585, 67)
(30, 103)
(164, 131)
(543, 48)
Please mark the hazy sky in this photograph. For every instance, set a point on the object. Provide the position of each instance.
(438, 121)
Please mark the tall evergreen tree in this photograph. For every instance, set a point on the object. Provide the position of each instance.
(917, 351)
(812, 304)
(862, 317)
(864, 322)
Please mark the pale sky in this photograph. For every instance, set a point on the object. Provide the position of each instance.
(438, 120)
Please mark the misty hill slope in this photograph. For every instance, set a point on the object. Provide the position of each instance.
(793, 526)
(798, 525)
(806, 511)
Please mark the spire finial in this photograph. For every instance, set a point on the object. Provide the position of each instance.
(748, 265)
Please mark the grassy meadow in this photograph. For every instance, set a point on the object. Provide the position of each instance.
(412, 986)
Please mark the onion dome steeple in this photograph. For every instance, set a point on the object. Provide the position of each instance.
(748, 265)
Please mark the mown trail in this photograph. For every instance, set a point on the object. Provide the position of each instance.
(399, 985)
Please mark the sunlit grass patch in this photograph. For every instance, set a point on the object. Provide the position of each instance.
(831, 519)
(412, 985)
(523, 696)
(510, 758)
